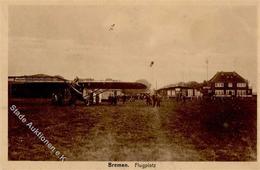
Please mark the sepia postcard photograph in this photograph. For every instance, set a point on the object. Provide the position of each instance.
(132, 84)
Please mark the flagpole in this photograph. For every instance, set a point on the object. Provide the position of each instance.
(207, 62)
(152, 75)
(152, 70)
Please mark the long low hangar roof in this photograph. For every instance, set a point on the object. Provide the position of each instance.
(92, 84)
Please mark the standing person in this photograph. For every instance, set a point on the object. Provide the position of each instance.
(94, 98)
(110, 99)
(124, 98)
(178, 97)
(91, 99)
(148, 100)
(154, 97)
(115, 98)
(184, 97)
(97, 99)
(158, 101)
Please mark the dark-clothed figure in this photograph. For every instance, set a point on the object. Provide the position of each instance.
(158, 100)
(110, 99)
(153, 100)
(91, 98)
(148, 100)
(97, 99)
(124, 98)
(115, 98)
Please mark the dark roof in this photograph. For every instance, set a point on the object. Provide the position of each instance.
(191, 84)
(227, 77)
(36, 78)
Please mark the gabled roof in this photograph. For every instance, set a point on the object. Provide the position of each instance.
(227, 77)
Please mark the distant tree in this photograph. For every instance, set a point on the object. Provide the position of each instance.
(203, 84)
(193, 84)
(137, 91)
(145, 82)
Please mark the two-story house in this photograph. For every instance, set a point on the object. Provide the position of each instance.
(226, 84)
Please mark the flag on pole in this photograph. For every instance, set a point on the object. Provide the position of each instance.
(152, 63)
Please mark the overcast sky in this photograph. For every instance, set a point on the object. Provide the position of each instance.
(76, 41)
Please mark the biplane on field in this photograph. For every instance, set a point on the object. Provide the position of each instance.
(62, 91)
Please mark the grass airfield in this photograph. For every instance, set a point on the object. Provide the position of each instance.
(177, 131)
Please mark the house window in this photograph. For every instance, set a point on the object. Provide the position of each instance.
(219, 92)
(241, 92)
(230, 85)
(230, 92)
(241, 84)
(219, 84)
(173, 93)
(169, 92)
(190, 92)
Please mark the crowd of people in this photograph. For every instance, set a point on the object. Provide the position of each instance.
(153, 100)
(93, 98)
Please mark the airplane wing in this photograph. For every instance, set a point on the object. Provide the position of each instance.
(112, 85)
(44, 86)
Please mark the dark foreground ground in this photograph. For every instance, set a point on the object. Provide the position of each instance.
(190, 131)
